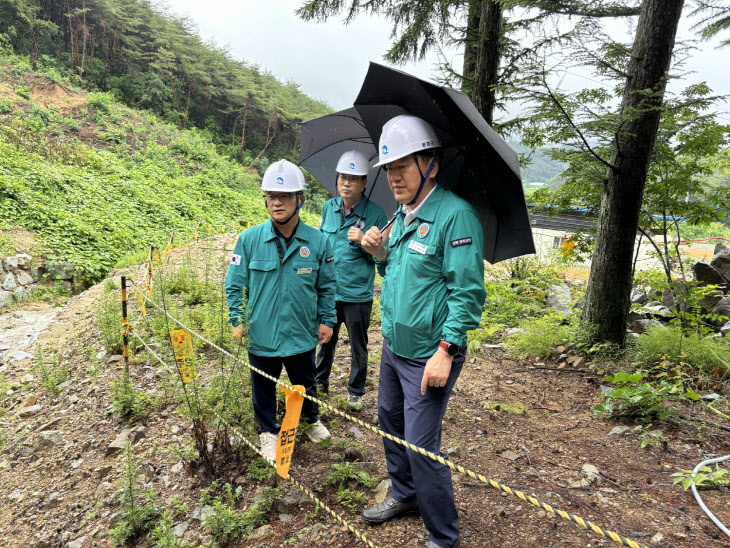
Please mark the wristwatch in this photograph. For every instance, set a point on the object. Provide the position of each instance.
(451, 348)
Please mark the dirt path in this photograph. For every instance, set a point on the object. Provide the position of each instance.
(20, 328)
(521, 424)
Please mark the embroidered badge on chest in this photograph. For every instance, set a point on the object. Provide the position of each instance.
(422, 230)
(304, 252)
(236, 259)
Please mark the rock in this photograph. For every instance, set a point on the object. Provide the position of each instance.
(621, 431)
(43, 543)
(48, 439)
(514, 331)
(8, 282)
(453, 451)
(23, 261)
(656, 539)
(639, 297)
(11, 263)
(722, 309)
(139, 433)
(4, 298)
(36, 274)
(558, 299)
(180, 528)
(50, 424)
(116, 358)
(201, 513)
(640, 326)
(356, 432)
(725, 329)
(77, 543)
(383, 490)
(591, 473)
(710, 301)
(103, 471)
(721, 261)
(26, 412)
(706, 274)
(292, 500)
(28, 377)
(710, 397)
(668, 298)
(579, 362)
(369, 467)
(263, 531)
(658, 310)
(52, 500)
(23, 278)
(119, 442)
(285, 518)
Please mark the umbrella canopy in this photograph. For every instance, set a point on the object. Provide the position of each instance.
(326, 138)
(476, 163)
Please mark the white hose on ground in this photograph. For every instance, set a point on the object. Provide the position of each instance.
(697, 495)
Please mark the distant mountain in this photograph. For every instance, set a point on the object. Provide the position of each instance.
(536, 165)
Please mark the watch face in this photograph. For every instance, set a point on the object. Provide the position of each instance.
(452, 350)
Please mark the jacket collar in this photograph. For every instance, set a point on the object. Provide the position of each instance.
(299, 234)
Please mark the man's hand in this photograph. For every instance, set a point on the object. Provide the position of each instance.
(355, 235)
(239, 333)
(374, 243)
(437, 370)
(325, 333)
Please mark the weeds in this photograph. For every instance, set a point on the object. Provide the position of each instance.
(140, 510)
(539, 338)
(50, 373)
(706, 477)
(633, 398)
(109, 319)
(225, 524)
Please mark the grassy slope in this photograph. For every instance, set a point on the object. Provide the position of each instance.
(95, 180)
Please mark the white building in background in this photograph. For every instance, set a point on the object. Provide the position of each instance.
(550, 233)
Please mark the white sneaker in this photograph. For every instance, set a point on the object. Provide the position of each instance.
(317, 432)
(268, 445)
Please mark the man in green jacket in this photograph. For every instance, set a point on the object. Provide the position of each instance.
(433, 293)
(343, 222)
(286, 270)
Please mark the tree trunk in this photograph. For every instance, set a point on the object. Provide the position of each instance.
(609, 287)
(487, 59)
(470, 38)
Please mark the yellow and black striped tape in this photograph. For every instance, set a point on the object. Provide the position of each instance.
(438, 458)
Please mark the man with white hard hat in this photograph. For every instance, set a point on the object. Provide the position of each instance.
(286, 270)
(432, 294)
(344, 220)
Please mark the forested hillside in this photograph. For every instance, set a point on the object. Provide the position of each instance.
(154, 60)
(95, 180)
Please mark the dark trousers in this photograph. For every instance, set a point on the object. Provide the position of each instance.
(356, 317)
(405, 413)
(300, 369)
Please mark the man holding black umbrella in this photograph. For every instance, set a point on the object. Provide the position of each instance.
(433, 293)
(343, 221)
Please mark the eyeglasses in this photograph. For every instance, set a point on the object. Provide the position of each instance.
(283, 198)
(352, 179)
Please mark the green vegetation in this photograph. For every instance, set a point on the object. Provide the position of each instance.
(632, 397)
(706, 477)
(50, 371)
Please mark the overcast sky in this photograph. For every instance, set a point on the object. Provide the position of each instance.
(329, 60)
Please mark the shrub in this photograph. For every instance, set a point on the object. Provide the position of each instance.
(662, 343)
(539, 338)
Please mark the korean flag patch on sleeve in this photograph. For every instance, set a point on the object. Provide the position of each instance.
(236, 259)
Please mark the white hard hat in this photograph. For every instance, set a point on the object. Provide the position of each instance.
(353, 162)
(283, 176)
(404, 135)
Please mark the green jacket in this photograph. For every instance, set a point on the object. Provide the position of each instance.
(287, 298)
(355, 267)
(433, 287)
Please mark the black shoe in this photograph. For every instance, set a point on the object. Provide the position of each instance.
(388, 509)
(432, 544)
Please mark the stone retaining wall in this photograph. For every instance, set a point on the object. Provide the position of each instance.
(18, 279)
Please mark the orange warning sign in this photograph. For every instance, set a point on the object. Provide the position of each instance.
(287, 434)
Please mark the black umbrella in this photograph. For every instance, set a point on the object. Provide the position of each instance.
(476, 163)
(326, 138)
